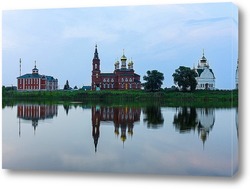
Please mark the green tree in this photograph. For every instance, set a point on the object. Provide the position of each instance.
(66, 86)
(153, 80)
(184, 77)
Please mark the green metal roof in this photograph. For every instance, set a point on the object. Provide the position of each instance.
(35, 76)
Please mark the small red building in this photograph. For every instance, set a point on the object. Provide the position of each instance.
(35, 82)
(123, 78)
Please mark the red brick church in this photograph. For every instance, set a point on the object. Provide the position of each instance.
(122, 78)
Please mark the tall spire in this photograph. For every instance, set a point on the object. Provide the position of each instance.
(123, 60)
(20, 66)
(35, 70)
(96, 53)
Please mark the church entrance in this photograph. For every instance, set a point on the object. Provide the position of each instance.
(206, 86)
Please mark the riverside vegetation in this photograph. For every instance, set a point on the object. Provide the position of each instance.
(198, 98)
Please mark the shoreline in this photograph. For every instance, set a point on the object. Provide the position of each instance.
(215, 98)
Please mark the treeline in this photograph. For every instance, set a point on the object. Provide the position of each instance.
(214, 98)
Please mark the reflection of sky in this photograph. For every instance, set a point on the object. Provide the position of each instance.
(66, 143)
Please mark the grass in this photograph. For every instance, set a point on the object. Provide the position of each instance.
(216, 98)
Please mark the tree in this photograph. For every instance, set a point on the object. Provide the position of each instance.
(66, 86)
(153, 80)
(184, 77)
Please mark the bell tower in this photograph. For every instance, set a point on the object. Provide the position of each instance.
(96, 72)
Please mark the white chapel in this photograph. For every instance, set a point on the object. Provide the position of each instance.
(205, 79)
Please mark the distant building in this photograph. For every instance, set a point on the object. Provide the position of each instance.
(205, 78)
(237, 76)
(86, 88)
(35, 82)
(123, 78)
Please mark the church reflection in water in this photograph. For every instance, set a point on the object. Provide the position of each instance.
(123, 119)
(187, 119)
(34, 113)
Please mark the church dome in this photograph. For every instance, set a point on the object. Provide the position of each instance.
(117, 62)
(123, 57)
(35, 70)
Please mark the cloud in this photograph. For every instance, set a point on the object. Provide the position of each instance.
(93, 34)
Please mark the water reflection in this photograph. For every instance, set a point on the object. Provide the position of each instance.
(66, 108)
(189, 119)
(237, 122)
(153, 117)
(185, 119)
(206, 119)
(173, 145)
(34, 113)
(123, 119)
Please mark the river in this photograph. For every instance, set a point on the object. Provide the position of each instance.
(120, 139)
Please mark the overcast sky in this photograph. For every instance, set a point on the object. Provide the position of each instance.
(161, 37)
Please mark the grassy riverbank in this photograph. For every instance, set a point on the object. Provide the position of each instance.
(217, 98)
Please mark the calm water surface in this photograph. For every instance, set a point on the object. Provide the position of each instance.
(121, 139)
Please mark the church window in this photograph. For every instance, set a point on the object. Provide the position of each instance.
(104, 85)
(95, 66)
(112, 85)
(126, 79)
(96, 75)
(122, 85)
(130, 79)
(122, 80)
(104, 80)
(112, 80)
(108, 80)
(130, 85)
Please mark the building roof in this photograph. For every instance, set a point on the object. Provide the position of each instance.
(25, 76)
(107, 74)
(35, 76)
(200, 70)
(50, 78)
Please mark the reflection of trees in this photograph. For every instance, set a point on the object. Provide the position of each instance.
(66, 108)
(237, 122)
(186, 119)
(153, 117)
